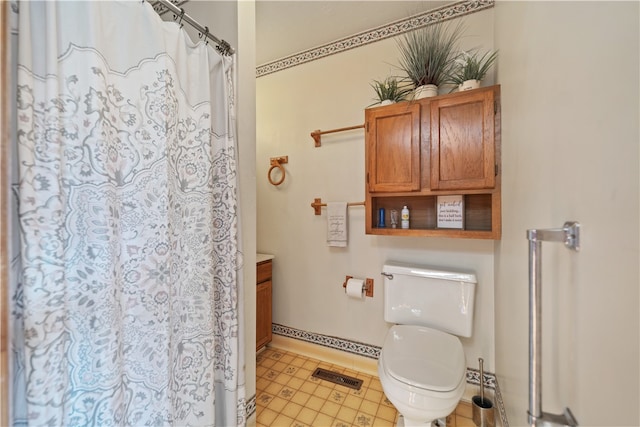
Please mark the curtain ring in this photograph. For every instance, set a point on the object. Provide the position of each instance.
(279, 166)
(181, 16)
(206, 35)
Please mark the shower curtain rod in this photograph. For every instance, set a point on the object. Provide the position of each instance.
(223, 46)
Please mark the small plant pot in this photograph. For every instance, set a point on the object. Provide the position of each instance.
(483, 412)
(468, 85)
(387, 102)
(425, 91)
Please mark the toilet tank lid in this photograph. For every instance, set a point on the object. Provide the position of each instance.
(393, 267)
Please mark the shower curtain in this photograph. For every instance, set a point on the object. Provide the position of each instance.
(127, 291)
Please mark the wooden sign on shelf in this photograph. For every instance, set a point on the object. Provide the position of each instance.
(450, 212)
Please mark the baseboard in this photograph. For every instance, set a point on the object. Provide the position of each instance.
(330, 355)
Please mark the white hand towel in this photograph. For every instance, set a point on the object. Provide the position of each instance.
(337, 224)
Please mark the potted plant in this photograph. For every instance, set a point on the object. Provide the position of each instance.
(389, 91)
(471, 68)
(428, 55)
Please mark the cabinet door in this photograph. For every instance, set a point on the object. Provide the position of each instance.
(462, 141)
(263, 314)
(393, 147)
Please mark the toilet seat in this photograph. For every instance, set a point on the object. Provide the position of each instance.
(424, 358)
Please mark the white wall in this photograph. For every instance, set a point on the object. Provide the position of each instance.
(569, 74)
(307, 280)
(246, 125)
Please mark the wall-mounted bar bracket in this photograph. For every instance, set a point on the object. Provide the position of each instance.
(569, 234)
(565, 419)
(368, 287)
(275, 161)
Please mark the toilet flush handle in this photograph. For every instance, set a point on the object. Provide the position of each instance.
(387, 275)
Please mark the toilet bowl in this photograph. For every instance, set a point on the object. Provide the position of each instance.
(422, 372)
(422, 366)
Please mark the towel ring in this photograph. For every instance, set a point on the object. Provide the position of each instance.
(281, 180)
(276, 162)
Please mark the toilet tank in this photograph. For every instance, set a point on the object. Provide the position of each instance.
(438, 299)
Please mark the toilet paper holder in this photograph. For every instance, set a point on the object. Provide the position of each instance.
(368, 286)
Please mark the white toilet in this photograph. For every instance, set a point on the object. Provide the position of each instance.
(422, 365)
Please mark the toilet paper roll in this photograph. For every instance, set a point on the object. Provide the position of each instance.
(355, 288)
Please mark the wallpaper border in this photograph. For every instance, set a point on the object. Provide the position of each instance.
(393, 29)
(250, 407)
(354, 347)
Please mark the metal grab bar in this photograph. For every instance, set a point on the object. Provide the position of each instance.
(569, 234)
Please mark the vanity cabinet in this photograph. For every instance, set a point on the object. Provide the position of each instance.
(263, 303)
(418, 150)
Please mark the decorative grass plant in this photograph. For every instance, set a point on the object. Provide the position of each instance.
(472, 66)
(428, 55)
(389, 89)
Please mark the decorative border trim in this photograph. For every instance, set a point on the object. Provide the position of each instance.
(354, 347)
(500, 405)
(250, 407)
(393, 29)
(473, 377)
(373, 352)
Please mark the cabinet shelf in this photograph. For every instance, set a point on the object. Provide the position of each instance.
(448, 233)
(478, 218)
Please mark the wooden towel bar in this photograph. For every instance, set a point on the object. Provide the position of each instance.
(316, 134)
(317, 205)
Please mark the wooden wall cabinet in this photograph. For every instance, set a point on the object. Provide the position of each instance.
(445, 145)
(393, 145)
(263, 303)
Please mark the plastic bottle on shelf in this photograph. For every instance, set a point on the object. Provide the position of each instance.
(381, 220)
(404, 215)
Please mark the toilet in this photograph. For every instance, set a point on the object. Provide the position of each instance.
(422, 365)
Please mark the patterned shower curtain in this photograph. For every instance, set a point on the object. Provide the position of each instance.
(127, 304)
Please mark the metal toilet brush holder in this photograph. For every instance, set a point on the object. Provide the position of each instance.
(483, 409)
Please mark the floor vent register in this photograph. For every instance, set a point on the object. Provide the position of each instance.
(337, 378)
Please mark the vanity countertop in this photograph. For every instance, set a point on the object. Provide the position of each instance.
(263, 257)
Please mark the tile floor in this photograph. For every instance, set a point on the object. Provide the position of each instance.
(288, 396)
